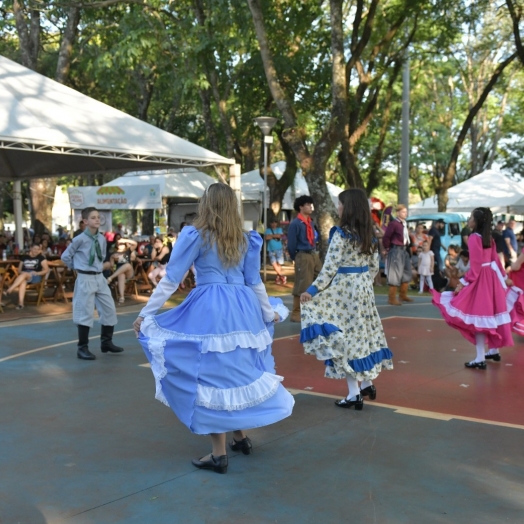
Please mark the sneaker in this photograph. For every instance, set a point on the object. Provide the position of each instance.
(20, 306)
(278, 280)
(283, 280)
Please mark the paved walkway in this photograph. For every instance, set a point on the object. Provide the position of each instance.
(85, 442)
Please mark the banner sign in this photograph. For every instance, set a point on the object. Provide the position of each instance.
(116, 197)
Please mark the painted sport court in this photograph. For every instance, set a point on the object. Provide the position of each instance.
(85, 442)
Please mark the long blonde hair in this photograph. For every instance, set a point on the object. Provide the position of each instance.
(219, 222)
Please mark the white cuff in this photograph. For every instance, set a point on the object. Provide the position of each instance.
(267, 311)
(464, 282)
(160, 296)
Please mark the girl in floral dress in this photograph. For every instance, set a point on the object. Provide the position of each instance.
(480, 306)
(340, 323)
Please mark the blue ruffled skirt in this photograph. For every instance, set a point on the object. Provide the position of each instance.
(212, 362)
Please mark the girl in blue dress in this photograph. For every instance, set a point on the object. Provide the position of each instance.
(211, 355)
(340, 323)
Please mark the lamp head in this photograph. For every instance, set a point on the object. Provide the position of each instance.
(266, 124)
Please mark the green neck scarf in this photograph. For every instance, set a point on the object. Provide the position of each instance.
(96, 250)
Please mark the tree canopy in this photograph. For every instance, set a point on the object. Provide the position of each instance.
(329, 71)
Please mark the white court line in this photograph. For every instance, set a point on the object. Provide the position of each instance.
(54, 318)
(446, 417)
(16, 355)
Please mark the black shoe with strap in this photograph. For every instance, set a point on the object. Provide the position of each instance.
(358, 403)
(217, 464)
(243, 445)
(370, 391)
(476, 365)
(494, 356)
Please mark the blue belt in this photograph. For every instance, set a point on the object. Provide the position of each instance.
(353, 269)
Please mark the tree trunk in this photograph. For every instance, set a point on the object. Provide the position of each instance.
(442, 190)
(208, 120)
(212, 77)
(146, 88)
(28, 37)
(42, 191)
(66, 47)
(515, 11)
(148, 222)
(498, 131)
(313, 165)
(3, 190)
(134, 221)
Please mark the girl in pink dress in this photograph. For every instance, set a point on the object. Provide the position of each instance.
(478, 307)
(516, 295)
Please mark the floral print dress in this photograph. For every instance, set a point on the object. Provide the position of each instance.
(341, 325)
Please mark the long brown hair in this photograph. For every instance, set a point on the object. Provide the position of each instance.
(483, 219)
(219, 223)
(356, 219)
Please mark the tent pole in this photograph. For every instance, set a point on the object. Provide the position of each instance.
(17, 205)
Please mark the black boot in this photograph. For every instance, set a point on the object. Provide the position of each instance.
(106, 340)
(83, 342)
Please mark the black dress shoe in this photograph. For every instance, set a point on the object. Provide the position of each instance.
(370, 391)
(83, 353)
(243, 445)
(476, 365)
(217, 464)
(495, 357)
(345, 403)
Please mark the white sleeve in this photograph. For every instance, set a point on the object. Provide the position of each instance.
(267, 311)
(160, 296)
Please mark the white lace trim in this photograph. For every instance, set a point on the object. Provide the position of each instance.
(282, 310)
(479, 321)
(158, 366)
(513, 295)
(213, 342)
(518, 328)
(243, 397)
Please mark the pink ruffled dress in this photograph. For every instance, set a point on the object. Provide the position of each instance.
(516, 296)
(484, 304)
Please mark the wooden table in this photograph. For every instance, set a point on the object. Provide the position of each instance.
(142, 282)
(8, 271)
(63, 280)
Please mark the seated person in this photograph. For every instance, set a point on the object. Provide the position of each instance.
(46, 248)
(61, 246)
(146, 251)
(463, 263)
(450, 266)
(33, 267)
(161, 254)
(122, 259)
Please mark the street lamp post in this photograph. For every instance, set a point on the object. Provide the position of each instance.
(266, 124)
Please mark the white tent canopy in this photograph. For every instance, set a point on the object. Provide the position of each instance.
(253, 186)
(489, 189)
(184, 184)
(48, 129)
